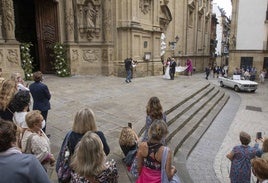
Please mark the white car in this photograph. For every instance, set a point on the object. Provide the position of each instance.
(238, 84)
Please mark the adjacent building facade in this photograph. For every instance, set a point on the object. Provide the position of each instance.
(222, 34)
(101, 34)
(248, 38)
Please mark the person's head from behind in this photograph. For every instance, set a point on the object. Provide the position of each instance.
(158, 130)
(245, 138)
(7, 91)
(260, 168)
(34, 119)
(8, 134)
(84, 121)
(265, 145)
(154, 108)
(38, 76)
(22, 100)
(89, 157)
(16, 77)
(8, 86)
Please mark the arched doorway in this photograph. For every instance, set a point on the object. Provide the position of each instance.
(37, 22)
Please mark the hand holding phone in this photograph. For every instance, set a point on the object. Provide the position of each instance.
(259, 135)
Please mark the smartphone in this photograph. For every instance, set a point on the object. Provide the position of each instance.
(129, 125)
(258, 135)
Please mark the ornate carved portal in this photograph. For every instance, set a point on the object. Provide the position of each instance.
(89, 18)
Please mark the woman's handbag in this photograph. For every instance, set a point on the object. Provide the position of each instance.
(164, 177)
(63, 168)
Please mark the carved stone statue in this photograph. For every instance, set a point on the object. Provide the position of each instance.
(90, 13)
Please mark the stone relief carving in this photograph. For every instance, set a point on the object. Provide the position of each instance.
(12, 56)
(232, 41)
(145, 6)
(166, 2)
(8, 16)
(70, 20)
(75, 55)
(91, 55)
(166, 17)
(88, 18)
(1, 57)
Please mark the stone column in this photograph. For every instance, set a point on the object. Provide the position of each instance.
(1, 33)
(69, 21)
(107, 21)
(8, 20)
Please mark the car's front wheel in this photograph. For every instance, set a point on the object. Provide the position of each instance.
(236, 88)
(221, 84)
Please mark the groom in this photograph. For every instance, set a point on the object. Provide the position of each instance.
(172, 68)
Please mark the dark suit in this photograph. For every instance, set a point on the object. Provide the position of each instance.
(172, 69)
(41, 97)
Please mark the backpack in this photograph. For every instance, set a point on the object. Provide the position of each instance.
(62, 166)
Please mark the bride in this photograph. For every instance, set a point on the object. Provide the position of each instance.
(167, 76)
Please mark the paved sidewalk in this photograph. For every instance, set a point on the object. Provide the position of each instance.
(116, 103)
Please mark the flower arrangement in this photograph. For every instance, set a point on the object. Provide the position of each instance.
(60, 63)
(26, 60)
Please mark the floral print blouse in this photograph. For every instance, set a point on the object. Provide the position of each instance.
(109, 175)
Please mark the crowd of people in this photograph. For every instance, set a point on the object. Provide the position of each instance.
(251, 73)
(24, 143)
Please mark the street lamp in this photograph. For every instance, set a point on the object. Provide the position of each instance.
(172, 44)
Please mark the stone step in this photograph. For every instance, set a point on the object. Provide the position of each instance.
(196, 119)
(189, 99)
(185, 105)
(188, 120)
(182, 153)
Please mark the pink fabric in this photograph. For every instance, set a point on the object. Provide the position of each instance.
(189, 64)
(149, 176)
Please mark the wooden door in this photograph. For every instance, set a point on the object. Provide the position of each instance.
(47, 32)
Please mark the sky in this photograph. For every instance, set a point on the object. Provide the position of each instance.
(226, 5)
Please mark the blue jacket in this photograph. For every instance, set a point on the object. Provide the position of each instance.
(23, 168)
(41, 96)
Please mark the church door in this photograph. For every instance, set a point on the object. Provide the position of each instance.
(47, 32)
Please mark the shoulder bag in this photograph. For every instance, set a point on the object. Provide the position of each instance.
(164, 177)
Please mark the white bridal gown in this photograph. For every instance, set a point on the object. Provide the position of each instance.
(167, 76)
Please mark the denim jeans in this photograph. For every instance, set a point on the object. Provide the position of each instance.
(128, 75)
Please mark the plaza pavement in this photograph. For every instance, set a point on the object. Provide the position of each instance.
(116, 103)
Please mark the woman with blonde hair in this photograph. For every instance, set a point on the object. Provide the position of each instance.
(85, 121)
(35, 141)
(89, 162)
(7, 92)
(19, 81)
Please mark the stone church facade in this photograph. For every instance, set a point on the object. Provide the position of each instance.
(101, 34)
